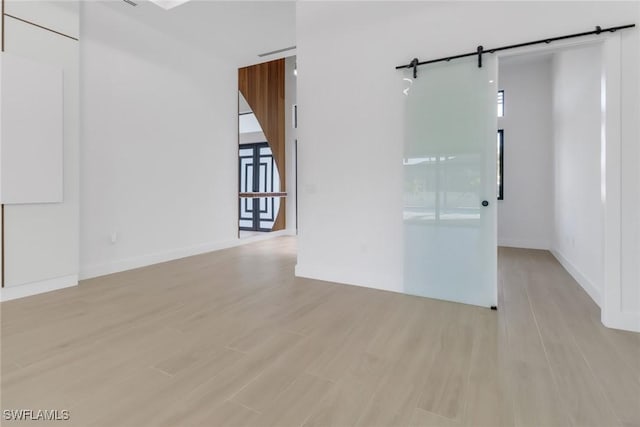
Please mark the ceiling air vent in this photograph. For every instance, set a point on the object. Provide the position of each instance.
(273, 52)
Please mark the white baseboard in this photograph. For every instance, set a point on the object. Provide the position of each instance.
(524, 244)
(117, 266)
(588, 286)
(627, 321)
(28, 289)
(346, 277)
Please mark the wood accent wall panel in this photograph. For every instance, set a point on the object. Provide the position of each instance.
(262, 85)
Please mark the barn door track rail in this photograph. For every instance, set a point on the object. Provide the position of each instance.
(480, 50)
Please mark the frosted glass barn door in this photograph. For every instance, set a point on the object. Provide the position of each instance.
(450, 241)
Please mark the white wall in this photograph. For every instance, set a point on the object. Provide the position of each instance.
(159, 157)
(350, 134)
(525, 216)
(41, 240)
(578, 205)
(630, 274)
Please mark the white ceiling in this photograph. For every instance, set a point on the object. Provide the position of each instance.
(235, 30)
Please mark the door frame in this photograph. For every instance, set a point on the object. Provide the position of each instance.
(610, 302)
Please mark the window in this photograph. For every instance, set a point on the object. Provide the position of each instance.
(500, 160)
(501, 103)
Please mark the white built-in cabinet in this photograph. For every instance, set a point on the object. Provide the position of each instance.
(41, 220)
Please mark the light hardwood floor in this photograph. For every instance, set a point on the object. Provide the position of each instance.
(231, 338)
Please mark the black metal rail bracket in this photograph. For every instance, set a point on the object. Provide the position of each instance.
(414, 63)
